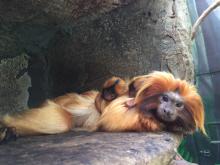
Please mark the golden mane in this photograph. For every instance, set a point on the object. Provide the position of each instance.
(160, 82)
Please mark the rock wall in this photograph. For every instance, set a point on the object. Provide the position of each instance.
(74, 45)
(14, 83)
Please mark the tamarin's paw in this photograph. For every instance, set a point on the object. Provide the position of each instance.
(113, 88)
(7, 134)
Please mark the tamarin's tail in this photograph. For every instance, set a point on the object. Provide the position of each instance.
(50, 118)
(54, 116)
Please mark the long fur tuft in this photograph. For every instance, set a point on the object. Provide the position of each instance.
(159, 82)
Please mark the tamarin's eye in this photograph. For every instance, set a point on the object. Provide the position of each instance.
(179, 105)
(165, 98)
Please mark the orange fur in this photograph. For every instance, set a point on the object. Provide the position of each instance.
(48, 119)
(158, 82)
(90, 111)
(100, 103)
(82, 107)
(121, 87)
(57, 115)
(118, 117)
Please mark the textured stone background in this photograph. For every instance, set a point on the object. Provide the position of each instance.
(74, 45)
(14, 82)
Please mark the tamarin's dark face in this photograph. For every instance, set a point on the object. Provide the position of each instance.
(170, 106)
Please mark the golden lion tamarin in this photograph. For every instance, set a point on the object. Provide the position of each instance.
(160, 102)
(153, 102)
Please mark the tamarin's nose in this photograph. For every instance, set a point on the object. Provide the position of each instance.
(168, 112)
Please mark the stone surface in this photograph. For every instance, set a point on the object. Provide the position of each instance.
(92, 148)
(181, 162)
(74, 45)
(14, 84)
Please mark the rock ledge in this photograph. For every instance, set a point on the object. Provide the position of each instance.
(92, 148)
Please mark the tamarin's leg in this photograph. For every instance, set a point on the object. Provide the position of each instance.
(81, 107)
(47, 119)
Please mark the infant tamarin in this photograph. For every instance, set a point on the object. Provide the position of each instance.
(152, 102)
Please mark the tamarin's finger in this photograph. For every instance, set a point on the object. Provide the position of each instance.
(130, 103)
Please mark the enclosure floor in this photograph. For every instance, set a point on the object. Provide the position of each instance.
(91, 148)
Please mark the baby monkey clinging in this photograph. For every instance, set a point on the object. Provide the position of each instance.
(153, 102)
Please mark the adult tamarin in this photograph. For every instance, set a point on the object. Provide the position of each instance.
(159, 102)
(153, 102)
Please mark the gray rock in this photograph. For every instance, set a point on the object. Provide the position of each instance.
(83, 148)
(181, 162)
(75, 45)
(14, 84)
